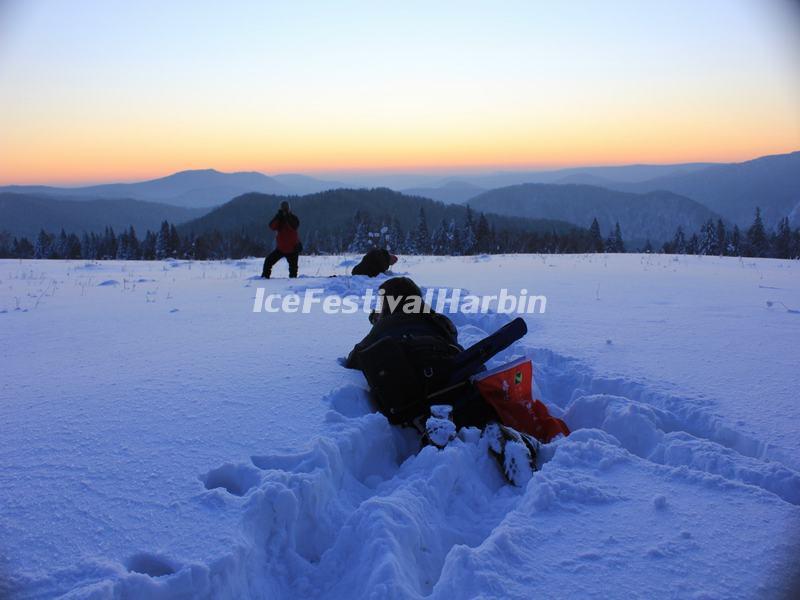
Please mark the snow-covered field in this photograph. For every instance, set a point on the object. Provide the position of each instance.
(158, 439)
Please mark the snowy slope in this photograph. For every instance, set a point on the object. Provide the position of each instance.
(159, 439)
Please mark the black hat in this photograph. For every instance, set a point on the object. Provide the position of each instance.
(399, 287)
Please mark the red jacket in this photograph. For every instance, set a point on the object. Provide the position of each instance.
(286, 226)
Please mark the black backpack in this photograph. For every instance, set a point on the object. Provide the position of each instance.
(409, 373)
(403, 372)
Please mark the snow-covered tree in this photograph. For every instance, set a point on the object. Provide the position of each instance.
(709, 244)
(41, 247)
(454, 238)
(469, 238)
(439, 240)
(361, 241)
(419, 237)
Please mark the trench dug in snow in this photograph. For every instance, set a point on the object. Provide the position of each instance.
(365, 512)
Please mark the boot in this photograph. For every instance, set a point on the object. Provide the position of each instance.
(515, 452)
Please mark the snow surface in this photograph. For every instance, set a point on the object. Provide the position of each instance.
(159, 439)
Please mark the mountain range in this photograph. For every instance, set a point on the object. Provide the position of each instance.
(26, 214)
(651, 216)
(332, 211)
(687, 193)
(734, 190)
(449, 193)
(191, 189)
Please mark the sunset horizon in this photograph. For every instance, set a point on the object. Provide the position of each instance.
(119, 96)
(449, 171)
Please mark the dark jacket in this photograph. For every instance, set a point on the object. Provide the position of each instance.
(399, 324)
(375, 262)
(286, 225)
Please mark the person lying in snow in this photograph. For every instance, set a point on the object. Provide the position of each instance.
(375, 262)
(420, 376)
(287, 242)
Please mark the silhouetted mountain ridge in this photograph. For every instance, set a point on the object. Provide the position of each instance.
(653, 216)
(26, 214)
(333, 211)
(735, 190)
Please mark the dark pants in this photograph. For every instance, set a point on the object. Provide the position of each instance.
(275, 256)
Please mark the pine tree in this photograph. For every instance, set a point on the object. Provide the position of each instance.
(5, 244)
(679, 241)
(162, 242)
(88, 247)
(483, 235)
(361, 240)
(109, 244)
(595, 237)
(757, 236)
(133, 244)
(22, 248)
(396, 242)
(387, 237)
(783, 239)
(439, 242)
(454, 238)
(722, 238)
(708, 244)
(174, 242)
(618, 238)
(469, 239)
(422, 239)
(693, 244)
(41, 247)
(735, 245)
(122, 246)
(147, 248)
(648, 247)
(614, 242)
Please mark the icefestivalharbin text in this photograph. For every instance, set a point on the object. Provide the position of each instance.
(441, 300)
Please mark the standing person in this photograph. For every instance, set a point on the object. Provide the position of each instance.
(287, 242)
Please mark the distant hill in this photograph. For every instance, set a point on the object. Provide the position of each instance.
(191, 189)
(583, 178)
(452, 192)
(303, 184)
(734, 190)
(408, 182)
(654, 216)
(26, 214)
(592, 175)
(333, 211)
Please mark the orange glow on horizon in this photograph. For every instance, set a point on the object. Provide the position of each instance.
(73, 171)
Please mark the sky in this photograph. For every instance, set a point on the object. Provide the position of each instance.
(113, 90)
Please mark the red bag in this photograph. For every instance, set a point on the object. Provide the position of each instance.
(508, 390)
